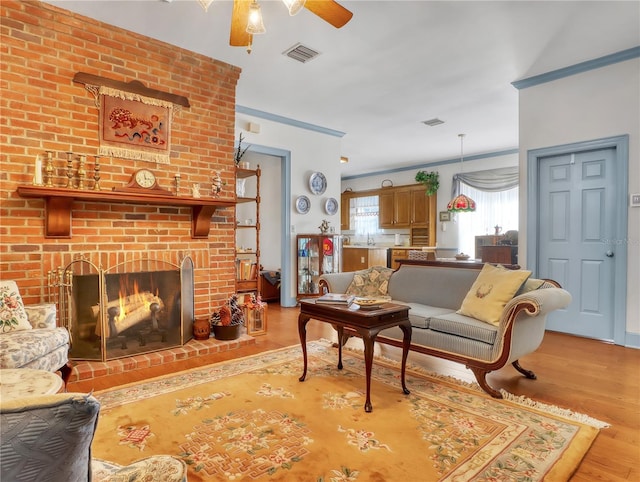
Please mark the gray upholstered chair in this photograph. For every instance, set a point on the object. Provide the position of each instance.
(48, 439)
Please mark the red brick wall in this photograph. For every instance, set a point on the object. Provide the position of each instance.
(42, 109)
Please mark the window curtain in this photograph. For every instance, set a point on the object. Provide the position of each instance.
(491, 180)
(364, 212)
(495, 192)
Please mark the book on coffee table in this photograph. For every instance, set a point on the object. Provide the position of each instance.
(336, 299)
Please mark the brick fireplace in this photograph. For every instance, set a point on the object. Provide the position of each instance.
(42, 110)
(138, 306)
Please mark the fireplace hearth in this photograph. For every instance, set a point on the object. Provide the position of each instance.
(132, 308)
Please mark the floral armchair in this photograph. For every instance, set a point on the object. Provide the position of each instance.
(48, 438)
(29, 337)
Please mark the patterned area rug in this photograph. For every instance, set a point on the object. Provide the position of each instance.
(251, 419)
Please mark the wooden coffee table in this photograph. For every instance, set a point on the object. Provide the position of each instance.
(365, 323)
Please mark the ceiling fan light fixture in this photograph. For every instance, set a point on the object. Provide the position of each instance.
(254, 23)
(203, 3)
(294, 6)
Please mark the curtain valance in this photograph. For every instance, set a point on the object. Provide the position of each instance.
(491, 180)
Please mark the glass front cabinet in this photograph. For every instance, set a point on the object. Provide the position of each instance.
(317, 254)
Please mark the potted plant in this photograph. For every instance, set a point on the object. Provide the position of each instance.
(431, 181)
(227, 322)
(239, 151)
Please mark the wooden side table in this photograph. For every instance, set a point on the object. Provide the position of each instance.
(16, 383)
(366, 324)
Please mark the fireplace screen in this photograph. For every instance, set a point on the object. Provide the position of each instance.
(132, 308)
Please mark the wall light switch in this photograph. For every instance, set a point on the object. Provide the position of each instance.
(293, 229)
(634, 201)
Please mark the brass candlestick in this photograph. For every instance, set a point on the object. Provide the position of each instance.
(48, 170)
(96, 174)
(69, 170)
(81, 171)
(177, 178)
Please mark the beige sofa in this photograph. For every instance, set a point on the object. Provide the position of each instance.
(435, 294)
(29, 337)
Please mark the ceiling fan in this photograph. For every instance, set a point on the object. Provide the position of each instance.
(244, 11)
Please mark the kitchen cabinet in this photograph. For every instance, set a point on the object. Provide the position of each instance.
(503, 254)
(317, 254)
(423, 207)
(394, 208)
(345, 211)
(354, 259)
(403, 253)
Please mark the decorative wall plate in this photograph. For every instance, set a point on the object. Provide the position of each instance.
(303, 204)
(317, 183)
(331, 206)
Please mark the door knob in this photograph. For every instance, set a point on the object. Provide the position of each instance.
(609, 254)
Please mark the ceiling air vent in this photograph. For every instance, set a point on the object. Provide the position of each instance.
(433, 122)
(301, 53)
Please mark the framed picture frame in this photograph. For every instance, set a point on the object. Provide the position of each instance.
(445, 216)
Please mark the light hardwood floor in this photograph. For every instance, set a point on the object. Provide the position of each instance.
(587, 376)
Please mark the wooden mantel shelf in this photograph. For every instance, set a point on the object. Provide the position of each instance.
(58, 203)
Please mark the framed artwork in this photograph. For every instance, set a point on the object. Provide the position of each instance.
(134, 127)
(445, 216)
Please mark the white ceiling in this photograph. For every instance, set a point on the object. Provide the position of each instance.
(394, 65)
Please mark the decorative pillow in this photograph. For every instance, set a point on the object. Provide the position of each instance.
(373, 281)
(530, 285)
(492, 290)
(12, 314)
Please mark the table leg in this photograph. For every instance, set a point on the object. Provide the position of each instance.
(368, 338)
(302, 331)
(340, 330)
(406, 343)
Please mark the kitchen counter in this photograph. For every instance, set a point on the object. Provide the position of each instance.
(388, 246)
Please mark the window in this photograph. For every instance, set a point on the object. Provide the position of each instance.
(492, 209)
(363, 214)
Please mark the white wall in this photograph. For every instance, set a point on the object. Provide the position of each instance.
(592, 105)
(311, 151)
(445, 239)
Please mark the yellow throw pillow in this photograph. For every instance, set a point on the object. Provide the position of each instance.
(494, 287)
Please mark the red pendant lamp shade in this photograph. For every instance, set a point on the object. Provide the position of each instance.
(461, 203)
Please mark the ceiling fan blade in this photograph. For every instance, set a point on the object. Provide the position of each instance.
(329, 11)
(239, 36)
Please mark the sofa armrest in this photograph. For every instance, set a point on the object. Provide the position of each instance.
(41, 315)
(537, 303)
(336, 282)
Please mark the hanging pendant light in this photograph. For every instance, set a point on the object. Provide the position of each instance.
(255, 24)
(294, 6)
(461, 203)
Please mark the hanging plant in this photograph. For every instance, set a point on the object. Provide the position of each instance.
(431, 181)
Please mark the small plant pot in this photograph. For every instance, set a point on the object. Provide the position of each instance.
(228, 332)
(201, 329)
